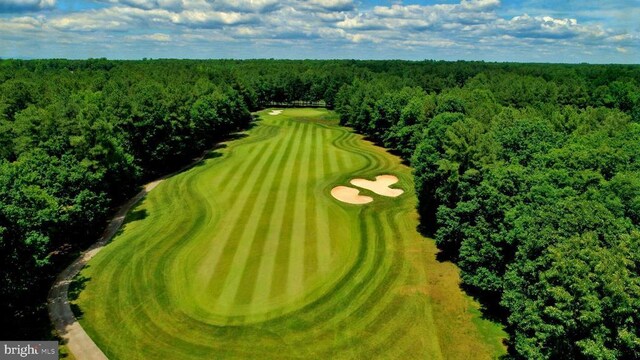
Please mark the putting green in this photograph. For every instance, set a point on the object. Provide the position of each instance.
(247, 255)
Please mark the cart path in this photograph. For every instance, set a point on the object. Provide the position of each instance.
(64, 321)
(62, 317)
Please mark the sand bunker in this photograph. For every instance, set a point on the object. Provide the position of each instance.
(380, 186)
(276, 112)
(350, 195)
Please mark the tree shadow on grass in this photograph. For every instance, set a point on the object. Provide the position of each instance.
(403, 161)
(76, 286)
(221, 141)
(236, 135)
(136, 215)
(212, 154)
(217, 147)
(446, 255)
(394, 152)
(490, 307)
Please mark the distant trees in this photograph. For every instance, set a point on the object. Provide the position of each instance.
(527, 175)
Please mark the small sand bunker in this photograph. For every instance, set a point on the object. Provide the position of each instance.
(380, 186)
(350, 195)
(276, 112)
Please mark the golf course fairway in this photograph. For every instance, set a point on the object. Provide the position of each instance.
(247, 255)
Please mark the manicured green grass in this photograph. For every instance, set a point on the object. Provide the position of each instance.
(247, 255)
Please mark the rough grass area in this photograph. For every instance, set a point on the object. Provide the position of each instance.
(247, 255)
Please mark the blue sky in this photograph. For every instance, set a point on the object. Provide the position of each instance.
(491, 30)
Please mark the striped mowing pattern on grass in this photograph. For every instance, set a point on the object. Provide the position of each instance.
(247, 255)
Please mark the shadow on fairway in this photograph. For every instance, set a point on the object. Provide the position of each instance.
(136, 215)
(212, 153)
(75, 288)
(209, 155)
(489, 303)
(231, 137)
(404, 161)
(490, 307)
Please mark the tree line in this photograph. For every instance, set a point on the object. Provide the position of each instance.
(531, 184)
(526, 174)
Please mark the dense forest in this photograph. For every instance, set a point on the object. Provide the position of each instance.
(527, 175)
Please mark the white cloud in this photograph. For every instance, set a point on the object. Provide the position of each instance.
(467, 12)
(468, 26)
(109, 19)
(148, 4)
(255, 6)
(479, 4)
(158, 37)
(86, 24)
(25, 5)
(542, 27)
(212, 19)
(24, 24)
(360, 22)
(333, 5)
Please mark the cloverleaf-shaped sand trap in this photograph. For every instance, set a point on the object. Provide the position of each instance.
(276, 112)
(350, 195)
(380, 186)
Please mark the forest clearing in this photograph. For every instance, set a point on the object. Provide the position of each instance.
(246, 255)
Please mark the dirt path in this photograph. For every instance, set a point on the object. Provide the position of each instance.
(62, 317)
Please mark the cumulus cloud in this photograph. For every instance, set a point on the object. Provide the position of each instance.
(255, 6)
(8, 6)
(212, 19)
(24, 24)
(547, 27)
(466, 26)
(147, 4)
(333, 5)
(109, 19)
(625, 40)
(479, 4)
(157, 37)
(464, 13)
(361, 22)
